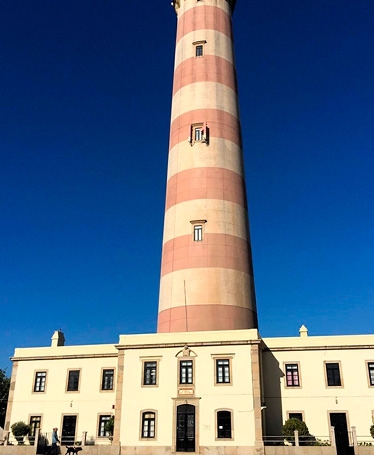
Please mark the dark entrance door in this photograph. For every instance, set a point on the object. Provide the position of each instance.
(68, 430)
(338, 420)
(186, 428)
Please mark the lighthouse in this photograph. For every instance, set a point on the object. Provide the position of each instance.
(206, 280)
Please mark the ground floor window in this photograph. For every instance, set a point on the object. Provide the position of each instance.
(148, 424)
(34, 425)
(224, 424)
(103, 420)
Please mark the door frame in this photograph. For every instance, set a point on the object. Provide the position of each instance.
(62, 427)
(349, 437)
(177, 402)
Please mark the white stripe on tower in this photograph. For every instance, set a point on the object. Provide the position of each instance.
(206, 272)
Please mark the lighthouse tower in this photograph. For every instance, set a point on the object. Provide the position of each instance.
(206, 271)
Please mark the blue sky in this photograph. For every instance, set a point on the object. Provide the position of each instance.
(84, 122)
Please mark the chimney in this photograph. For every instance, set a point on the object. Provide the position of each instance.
(303, 331)
(58, 339)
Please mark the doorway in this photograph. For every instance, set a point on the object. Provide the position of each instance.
(338, 420)
(68, 430)
(186, 428)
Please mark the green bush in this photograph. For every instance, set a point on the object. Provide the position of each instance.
(20, 430)
(289, 427)
(372, 431)
(109, 428)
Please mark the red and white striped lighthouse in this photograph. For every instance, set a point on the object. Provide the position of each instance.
(206, 272)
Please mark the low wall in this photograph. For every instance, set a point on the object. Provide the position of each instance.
(17, 450)
(364, 450)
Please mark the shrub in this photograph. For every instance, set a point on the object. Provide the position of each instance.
(372, 431)
(109, 428)
(20, 430)
(289, 427)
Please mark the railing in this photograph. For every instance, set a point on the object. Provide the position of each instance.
(298, 440)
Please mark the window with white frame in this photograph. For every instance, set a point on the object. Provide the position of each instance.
(148, 424)
(198, 233)
(371, 372)
(107, 380)
(186, 372)
(223, 371)
(150, 373)
(103, 420)
(40, 379)
(35, 422)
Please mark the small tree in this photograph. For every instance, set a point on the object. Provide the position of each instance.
(289, 427)
(109, 428)
(20, 430)
(4, 392)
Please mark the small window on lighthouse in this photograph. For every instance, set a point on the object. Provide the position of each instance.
(199, 133)
(198, 233)
(199, 47)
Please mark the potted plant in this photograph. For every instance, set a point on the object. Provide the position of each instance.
(20, 430)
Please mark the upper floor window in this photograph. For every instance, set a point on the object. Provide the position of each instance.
(371, 372)
(73, 381)
(223, 371)
(333, 377)
(107, 380)
(148, 424)
(40, 378)
(186, 372)
(224, 424)
(292, 375)
(150, 373)
(103, 420)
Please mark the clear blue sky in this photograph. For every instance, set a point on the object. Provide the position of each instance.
(84, 122)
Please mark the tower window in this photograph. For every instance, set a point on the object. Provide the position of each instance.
(199, 48)
(199, 133)
(198, 233)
